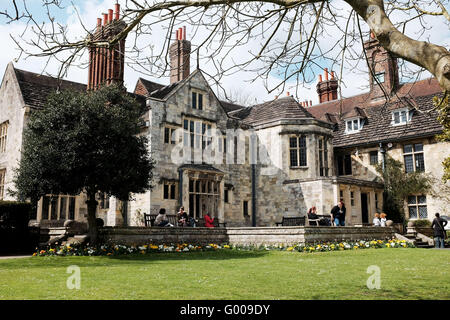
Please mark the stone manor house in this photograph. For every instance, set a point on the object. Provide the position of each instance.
(270, 160)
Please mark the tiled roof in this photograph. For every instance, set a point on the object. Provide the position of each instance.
(150, 86)
(36, 88)
(278, 109)
(378, 127)
(229, 106)
(162, 92)
(378, 115)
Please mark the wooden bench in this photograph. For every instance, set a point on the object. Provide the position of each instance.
(216, 223)
(312, 222)
(292, 221)
(149, 220)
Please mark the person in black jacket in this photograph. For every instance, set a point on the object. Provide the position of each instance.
(338, 214)
(439, 231)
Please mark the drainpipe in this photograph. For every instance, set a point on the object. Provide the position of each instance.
(253, 159)
(383, 157)
(180, 187)
(253, 195)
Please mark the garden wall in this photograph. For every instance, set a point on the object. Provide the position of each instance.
(247, 235)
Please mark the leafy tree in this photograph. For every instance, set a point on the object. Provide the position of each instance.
(443, 108)
(398, 185)
(85, 142)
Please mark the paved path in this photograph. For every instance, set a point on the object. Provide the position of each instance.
(13, 257)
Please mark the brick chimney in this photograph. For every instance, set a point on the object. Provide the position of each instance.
(327, 89)
(384, 66)
(106, 64)
(180, 53)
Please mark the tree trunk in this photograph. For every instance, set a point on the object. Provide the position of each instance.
(434, 58)
(92, 224)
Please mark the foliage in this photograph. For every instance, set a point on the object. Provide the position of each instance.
(443, 108)
(118, 250)
(85, 142)
(15, 235)
(422, 223)
(398, 185)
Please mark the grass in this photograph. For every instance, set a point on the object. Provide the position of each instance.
(405, 274)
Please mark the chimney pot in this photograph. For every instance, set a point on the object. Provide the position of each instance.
(332, 75)
(105, 19)
(117, 7)
(184, 32)
(326, 74)
(110, 15)
(310, 103)
(320, 78)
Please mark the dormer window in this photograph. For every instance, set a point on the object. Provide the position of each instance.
(353, 125)
(401, 116)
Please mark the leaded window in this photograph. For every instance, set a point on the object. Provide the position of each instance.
(417, 207)
(297, 151)
(413, 156)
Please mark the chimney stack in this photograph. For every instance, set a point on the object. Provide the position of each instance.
(383, 66)
(327, 89)
(180, 54)
(106, 64)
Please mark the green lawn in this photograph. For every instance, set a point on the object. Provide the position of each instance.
(405, 274)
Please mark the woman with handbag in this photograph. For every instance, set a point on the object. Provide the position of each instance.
(439, 231)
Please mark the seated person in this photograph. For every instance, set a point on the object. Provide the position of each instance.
(209, 222)
(182, 218)
(191, 221)
(383, 219)
(162, 220)
(376, 220)
(312, 213)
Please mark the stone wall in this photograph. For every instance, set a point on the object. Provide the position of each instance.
(244, 235)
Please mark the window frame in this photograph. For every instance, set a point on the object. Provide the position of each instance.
(408, 116)
(360, 124)
(301, 149)
(3, 135)
(324, 169)
(197, 100)
(417, 205)
(172, 190)
(2, 183)
(414, 154)
(373, 154)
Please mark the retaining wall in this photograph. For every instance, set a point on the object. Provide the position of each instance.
(246, 235)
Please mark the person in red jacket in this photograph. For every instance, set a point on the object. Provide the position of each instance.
(209, 221)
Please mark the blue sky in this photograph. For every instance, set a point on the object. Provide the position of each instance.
(90, 10)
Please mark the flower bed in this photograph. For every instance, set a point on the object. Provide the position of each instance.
(105, 250)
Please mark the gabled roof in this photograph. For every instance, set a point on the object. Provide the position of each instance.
(35, 87)
(286, 108)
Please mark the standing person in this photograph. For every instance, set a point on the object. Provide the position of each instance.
(182, 217)
(383, 219)
(439, 231)
(338, 214)
(162, 220)
(209, 222)
(376, 220)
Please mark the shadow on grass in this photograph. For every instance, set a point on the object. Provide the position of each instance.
(102, 261)
(208, 255)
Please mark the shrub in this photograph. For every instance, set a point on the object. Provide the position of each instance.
(15, 236)
(422, 223)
